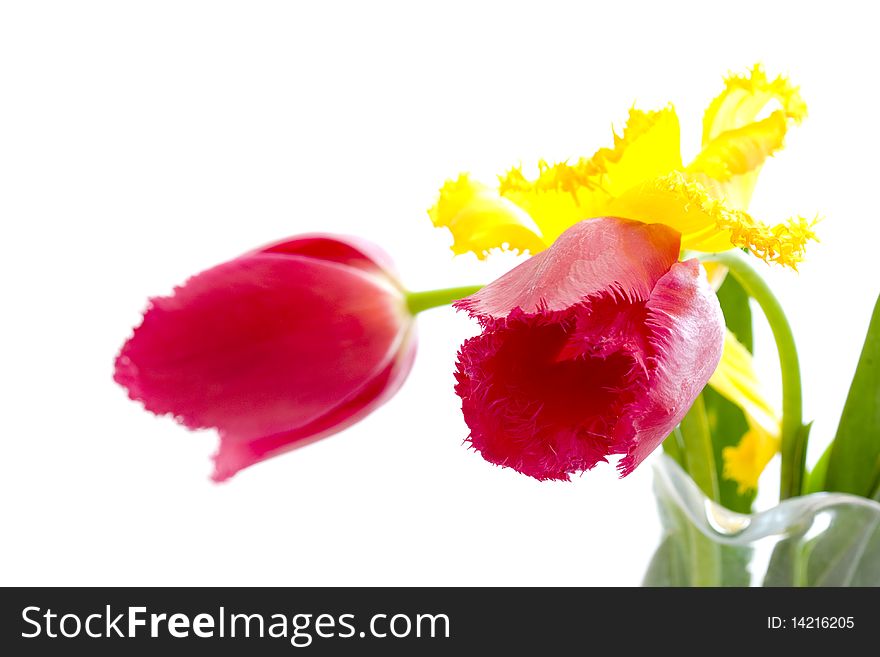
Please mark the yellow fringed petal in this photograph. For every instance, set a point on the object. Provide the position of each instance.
(736, 380)
(783, 243)
(741, 150)
(640, 177)
(745, 462)
(480, 219)
(563, 193)
(745, 97)
(735, 143)
(554, 210)
(709, 224)
(649, 147)
(683, 204)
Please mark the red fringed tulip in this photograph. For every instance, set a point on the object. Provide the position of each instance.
(597, 346)
(275, 349)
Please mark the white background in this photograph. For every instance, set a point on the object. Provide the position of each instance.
(143, 142)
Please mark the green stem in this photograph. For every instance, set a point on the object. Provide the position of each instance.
(697, 449)
(416, 302)
(705, 559)
(794, 438)
(698, 454)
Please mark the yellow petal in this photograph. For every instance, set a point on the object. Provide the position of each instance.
(563, 193)
(735, 143)
(680, 203)
(745, 462)
(554, 210)
(745, 97)
(741, 150)
(480, 219)
(640, 177)
(783, 243)
(735, 379)
(708, 224)
(716, 273)
(648, 148)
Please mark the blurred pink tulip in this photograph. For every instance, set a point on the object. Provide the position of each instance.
(275, 349)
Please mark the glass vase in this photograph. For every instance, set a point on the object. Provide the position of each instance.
(822, 539)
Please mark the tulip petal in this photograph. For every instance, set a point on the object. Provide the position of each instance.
(267, 344)
(596, 346)
(648, 148)
(481, 220)
(564, 194)
(730, 163)
(558, 391)
(535, 404)
(350, 251)
(606, 255)
(641, 177)
(709, 224)
(741, 150)
(237, 452)
(687, 334)
(735, 143)
(528, 215)
(745, 97)
(745, 462)
(736, 380)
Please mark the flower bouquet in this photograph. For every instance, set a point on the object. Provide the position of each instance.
(628, 327)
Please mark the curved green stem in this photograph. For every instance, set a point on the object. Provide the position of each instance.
(416, 302)
(794, 437)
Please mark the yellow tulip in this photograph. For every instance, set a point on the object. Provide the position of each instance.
(642, 177)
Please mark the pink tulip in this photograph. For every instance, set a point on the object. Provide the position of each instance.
(275, 349)
(597, 346)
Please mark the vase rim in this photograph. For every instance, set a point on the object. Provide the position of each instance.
(727, 526)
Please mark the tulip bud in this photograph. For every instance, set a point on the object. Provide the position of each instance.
(275, 349)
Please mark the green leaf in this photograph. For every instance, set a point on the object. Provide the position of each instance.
(855, 454)
(815, 481)
(800, 455)
(737, 312)
(727, 422)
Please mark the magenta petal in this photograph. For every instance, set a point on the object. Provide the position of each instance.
(595, 347)
(274, 349)
(352, 252)
(238, 452)
(687, 333)
(602, 255)
(533, 408)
